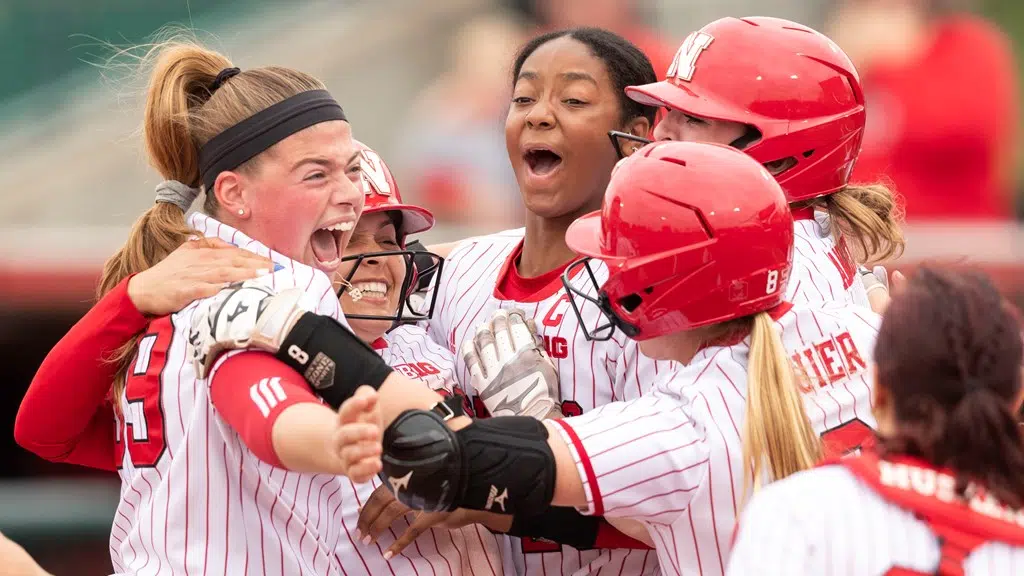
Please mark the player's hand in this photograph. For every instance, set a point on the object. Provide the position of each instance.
(378, 513)
(357, 442)
(14, 561)
(196, 269)
(449, 521)
(510, 371)
(877, 284)
(246, 315)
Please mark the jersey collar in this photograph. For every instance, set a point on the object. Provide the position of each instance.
(210, 227)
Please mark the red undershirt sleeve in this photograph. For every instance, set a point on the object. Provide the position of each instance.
(250, 390)
(65, 415)
(609, 536)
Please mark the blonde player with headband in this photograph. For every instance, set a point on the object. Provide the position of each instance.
(221, 463)
(376, 277)
(788, 96)
(944, 494)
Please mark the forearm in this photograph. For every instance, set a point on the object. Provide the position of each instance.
(566, 525)
(15, 561)
(75, 378)
(399, 393)
(273, 412)
(301, 438)
(94, 447)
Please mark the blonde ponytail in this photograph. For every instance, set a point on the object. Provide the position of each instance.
(180, 116)
(869, 218)
(776, 431)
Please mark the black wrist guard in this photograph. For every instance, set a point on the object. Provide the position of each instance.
(560, 525)
(498, 465)
(317, 345)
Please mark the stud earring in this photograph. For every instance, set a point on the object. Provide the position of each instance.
(241, 211)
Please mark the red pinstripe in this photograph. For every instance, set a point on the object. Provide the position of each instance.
(652, 434)
(470, 296)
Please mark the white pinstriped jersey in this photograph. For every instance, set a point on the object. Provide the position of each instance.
(591, 373)
(472, 550)
(194, 499)
(828, 522)
(673, 459)
(410, 351)
(823, 269)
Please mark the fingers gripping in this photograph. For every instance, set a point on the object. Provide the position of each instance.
(422, 522)
(502, 337)
(486, 350)
(522, 330)
(472, 360)
(532, 325)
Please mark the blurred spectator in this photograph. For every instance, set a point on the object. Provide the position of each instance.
(620, 16)
(453, 152)
(941, 90)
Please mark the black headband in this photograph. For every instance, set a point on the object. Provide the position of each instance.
(241, 142)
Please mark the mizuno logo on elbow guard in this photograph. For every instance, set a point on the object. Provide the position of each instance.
(494, 498)
(399, 484)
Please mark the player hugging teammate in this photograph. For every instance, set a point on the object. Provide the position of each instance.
(690, 324)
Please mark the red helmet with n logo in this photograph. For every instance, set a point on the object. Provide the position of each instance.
(423, 269)
(794, 86)
(382, 194)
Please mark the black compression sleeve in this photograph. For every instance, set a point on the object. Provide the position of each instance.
(559, 524)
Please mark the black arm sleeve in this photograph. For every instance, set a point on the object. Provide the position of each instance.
(560, 525)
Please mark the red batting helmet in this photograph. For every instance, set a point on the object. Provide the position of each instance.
(382, 195)
(692, 234)
(793, 85)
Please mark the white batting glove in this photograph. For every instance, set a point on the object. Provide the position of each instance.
(511, 373)
(876, 286)
(246, 315)
(875, 279)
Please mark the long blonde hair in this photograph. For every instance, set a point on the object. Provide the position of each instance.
(180, 116)
(869, 217)
(777, 435)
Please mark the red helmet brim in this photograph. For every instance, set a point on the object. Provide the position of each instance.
(676, 96)
(415, 219)
(584, 237)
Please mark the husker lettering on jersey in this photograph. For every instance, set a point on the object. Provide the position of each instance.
(673, 460)
(879, 533)
(828, 361)
(479, 278)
